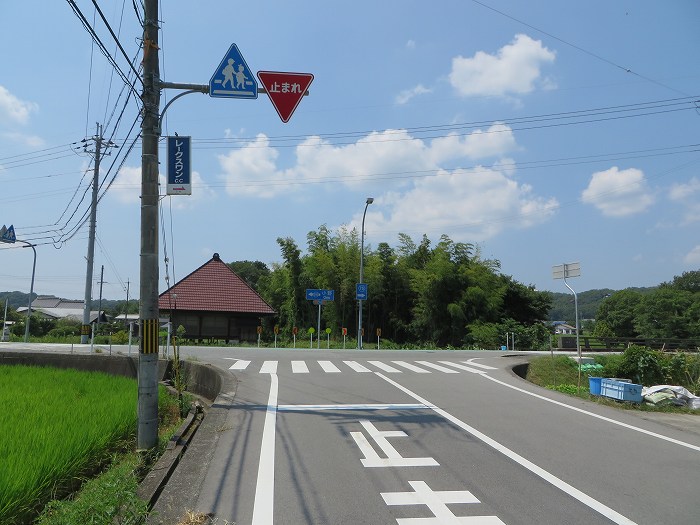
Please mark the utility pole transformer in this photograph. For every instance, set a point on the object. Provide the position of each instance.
(147, 432)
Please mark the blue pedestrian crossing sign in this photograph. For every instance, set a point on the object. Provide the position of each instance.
(233, 78)
(8, 234)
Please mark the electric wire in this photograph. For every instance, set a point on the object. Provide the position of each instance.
(578, 48)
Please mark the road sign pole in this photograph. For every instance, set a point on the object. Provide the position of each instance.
(318, 329)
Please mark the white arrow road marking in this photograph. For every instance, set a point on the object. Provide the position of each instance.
(437, 502)
(572, 491)
(393, 458)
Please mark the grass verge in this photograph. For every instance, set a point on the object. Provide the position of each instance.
(61, 428)
(560, 373)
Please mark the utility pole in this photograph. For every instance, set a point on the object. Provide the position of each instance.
(87, 307)
(147, 432)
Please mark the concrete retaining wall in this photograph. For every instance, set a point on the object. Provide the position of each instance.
(202, 379)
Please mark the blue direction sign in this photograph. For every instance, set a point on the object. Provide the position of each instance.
(179, 166)
(361, 292)
(320, 295)
(233, 78)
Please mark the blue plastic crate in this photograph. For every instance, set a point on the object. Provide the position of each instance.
(621, 390)
(594, 385)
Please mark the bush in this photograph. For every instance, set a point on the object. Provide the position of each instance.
(642, 365)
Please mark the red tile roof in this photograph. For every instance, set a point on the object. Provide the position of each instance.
(214, 287)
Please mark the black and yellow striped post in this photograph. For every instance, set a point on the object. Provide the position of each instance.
(149, 336)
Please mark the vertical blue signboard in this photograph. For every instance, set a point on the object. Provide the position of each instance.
(179, 166)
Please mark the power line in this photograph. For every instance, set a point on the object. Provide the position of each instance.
(578, 48)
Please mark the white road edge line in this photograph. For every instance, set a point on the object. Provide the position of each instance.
(374, 406)
(263, 508)
(562, 485)
(597, 416)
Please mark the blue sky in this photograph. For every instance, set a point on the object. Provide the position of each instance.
(544, 132)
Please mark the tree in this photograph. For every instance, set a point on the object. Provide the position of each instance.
(687, 281)
(619, 311)
(250, 271)
(664, 314)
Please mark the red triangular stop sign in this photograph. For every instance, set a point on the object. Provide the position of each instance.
(285, 90)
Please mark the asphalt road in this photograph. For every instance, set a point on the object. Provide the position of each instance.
(340, 437)
(423, 438)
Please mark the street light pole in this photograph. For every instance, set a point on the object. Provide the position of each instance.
(369, 201)
(31, 291)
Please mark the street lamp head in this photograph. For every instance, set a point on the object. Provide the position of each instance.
(370, 200)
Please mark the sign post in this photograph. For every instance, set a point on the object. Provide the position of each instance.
(285, 90)
(318, 297)
(295, 331)
(562, 271)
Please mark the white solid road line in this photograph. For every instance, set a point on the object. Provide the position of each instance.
(263, 507)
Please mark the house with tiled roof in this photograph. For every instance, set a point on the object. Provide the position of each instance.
(213, 302)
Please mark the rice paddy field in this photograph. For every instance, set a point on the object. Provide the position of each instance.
(57, 428)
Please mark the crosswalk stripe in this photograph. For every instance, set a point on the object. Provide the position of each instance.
(329, 367)
(412, 368)
(239, 365)
(438, 367)
(299, 367)
(462, 367)
(479, 365)
(357, 367)
(269, 367)
(385, 367)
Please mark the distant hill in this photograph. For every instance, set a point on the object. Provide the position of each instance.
(588, 302)
(562, 303)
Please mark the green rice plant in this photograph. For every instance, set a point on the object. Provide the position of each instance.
(58, 427)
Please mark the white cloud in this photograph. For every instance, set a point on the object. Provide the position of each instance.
(407, 94)
(514, 69)
(415, 191)
(252, 170)
(466, 204)
(687, 194)
(618, 193)
(693, 256)
(411, 44)
(23, 139)
(495, 141)
(15, 109)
